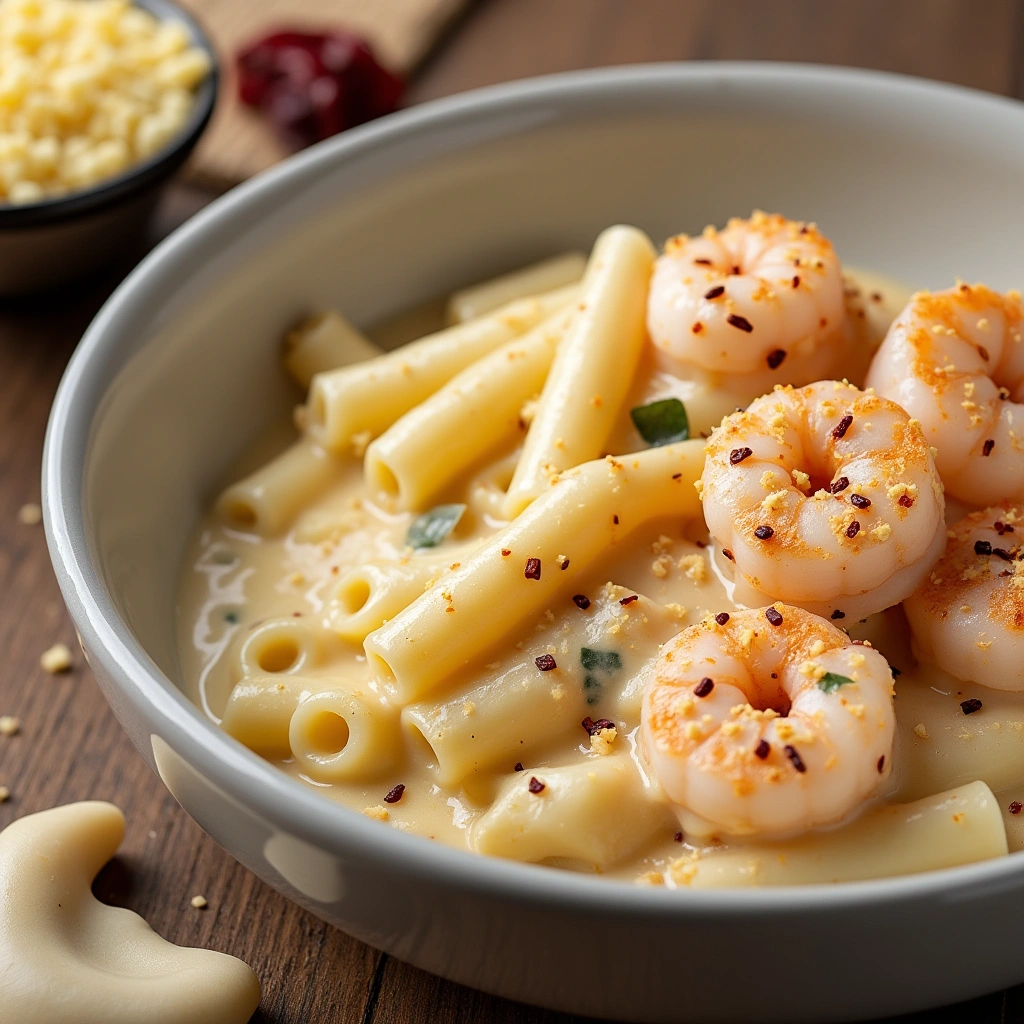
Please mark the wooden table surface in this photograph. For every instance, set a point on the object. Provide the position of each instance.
(71, 748)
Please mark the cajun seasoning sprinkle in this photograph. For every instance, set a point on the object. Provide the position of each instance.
(762, 750)
(677, 476)
(837, 614)
(971, 705)
(629, 600)
(842, 427)
(505, 552)
(593, 728)
(737, 455)
(722, 618)
(678, 837)
(545, 662)
(983, 352)
(1002, 528)
(713, 293)
(796, 281)
(986, 448)
(704, 687)
(519, 766)
(775, 357)
(697, 327)
(773, 615)
(536, 786)
(906, 500)
(853, 529)
(1016, 807)
(728, 554)
(532, 569)
(764, 533)
(394, 795)
(982, 547)
(581, 601)
(859, 501)
(615, 520)
(741, 323)
(702, 261)
(1003, 554)
(839, 485)
(794, 758)
(881, 764)
(564, 564)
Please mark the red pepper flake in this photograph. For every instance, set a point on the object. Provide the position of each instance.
(853, 529)
(906, 501)
(728, 554)
(593, 728)
(1002, 528)
(532, 569)
(986, 448)
(702, 261)
(859, 501)
(1003, 554)
(763, 749)
(842, 427)
(741, 323)
(519, 766)
(735, 269)
(737, 455)
(983, 352)
(536, 786)
(677, 476)
(713, 293)
(881, 764)
(982, 547)
(394, 795)
(1016, 807)
(837, 614)
(795, 759)
(839, 485)
(796, 280)
(971, 705)
(678, 837)
(629, 600)
(565, 564)
(775, 358)
(615, 520)
(722, 618)
(545, 662)
(697, 327)
(505, 552)
(764, 533)
(704, 687)
(876, 296)
(581, 601)
(773, 615)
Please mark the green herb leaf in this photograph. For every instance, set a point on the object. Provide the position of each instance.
(592, 689)
(831, 681)
(662, 422)
(429, 529)
(600, 661)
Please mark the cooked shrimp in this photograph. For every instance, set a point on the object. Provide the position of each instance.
(968, 616)
(763, 297)
(826, 497)
(768, 720)
(954, 360)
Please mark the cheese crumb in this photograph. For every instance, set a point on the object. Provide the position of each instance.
(651, 878)
(56, 659)
(469, 708)
(677, 611)
(774, 500)
(602, 742)
(882, 532)
(378, 812)
(9, 725)
(817, 648)
(695, 567)
(661, 565)
(30, 514)
(921, 731)
(199, 902)
(801, 479)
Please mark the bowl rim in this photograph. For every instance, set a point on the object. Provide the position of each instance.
(148, 171)
(255, 783)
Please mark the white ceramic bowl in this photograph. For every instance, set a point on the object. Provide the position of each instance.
(180, 371)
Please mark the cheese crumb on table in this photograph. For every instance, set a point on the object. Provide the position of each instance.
(5, 794)
(56, 659)
(199, 902)
(30, 514)
(9, 725)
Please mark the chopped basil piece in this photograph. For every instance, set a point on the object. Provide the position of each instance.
(600, 661)
(831, 681)
(231, 617)
(662, 422)
(429, 529)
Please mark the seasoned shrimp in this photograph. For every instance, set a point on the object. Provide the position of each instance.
(954, 360)
(768, 720)
(824, 496)
(761, 298)
(968, 616)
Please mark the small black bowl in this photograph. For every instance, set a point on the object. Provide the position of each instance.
(54, 241)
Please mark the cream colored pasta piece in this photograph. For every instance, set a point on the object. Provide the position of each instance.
(590, 814)
(594, 367)
(260, 708)
(486, 490)
(337, 735)
(478, 409)
(69, 959)
(268, 500)
(370, 396)
(280, 646)
(545, 276)
(960, 826)
(518, 572)
(324, 343)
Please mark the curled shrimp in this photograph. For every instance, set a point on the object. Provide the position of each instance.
(954, 360)
(763, 299)
(824, 496)
(768, 721)
(968, 615)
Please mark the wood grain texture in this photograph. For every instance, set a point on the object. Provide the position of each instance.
(241, 143)
(71, 747)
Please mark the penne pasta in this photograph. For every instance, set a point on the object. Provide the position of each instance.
(367, 398)
(545, 276)
(594, 368)
(587, 512)
(259, 711)
(279, 646)
(323, 343)
(477, 410)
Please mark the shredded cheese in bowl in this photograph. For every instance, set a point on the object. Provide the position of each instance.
(88, 88)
